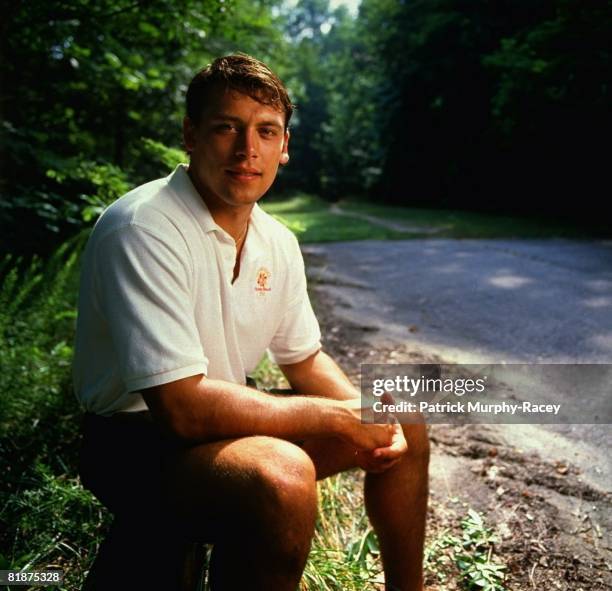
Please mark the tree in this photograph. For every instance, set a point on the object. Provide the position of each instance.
(552, 107)
(84, 82)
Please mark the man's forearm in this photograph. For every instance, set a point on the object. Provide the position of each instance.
(201, 409)
(319, 375)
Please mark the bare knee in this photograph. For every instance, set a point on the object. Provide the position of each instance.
(286, 476)
(279, 516)
(287, 501)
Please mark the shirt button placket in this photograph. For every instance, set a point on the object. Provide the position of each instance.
(229, 257)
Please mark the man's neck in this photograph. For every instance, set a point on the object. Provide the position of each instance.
(233, 219)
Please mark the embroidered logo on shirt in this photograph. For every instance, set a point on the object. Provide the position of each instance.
(263, 276)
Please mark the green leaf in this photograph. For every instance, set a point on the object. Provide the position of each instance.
(148, 29)
(112, 59)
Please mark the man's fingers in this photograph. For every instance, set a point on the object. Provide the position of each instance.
(376, 466)
(383, 458)
(388, 453)
(397, 448)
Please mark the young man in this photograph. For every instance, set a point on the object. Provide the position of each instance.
(186, 282)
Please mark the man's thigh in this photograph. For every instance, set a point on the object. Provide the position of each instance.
(330, 456)
(214, 488)
(200, 490)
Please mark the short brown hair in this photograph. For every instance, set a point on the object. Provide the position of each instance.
(242, 73)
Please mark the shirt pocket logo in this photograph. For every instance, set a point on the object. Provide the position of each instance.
(262, 281)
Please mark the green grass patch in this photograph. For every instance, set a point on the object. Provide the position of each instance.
(313, 220)
(322, 226)
(48, 519)
(468, 224)
(298, 203)
(344, 554)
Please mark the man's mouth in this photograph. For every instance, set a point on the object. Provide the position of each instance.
(243, 174)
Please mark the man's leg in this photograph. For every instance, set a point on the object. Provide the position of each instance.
(396, 502)
(256, 498)
(121, 461)
(138, 555)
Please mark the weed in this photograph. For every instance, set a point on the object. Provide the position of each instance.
(478, 569)
(471, 554)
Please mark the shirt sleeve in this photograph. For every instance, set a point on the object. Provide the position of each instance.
(298, 335)
(144, 297)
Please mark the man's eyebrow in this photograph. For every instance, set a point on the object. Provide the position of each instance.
(270, 124)
(226, 117)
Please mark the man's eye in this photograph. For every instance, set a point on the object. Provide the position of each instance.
(225, 128)
(268, 131)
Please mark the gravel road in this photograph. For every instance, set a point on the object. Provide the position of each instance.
(485, 301)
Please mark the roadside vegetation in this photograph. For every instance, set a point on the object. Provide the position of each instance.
(315, 220)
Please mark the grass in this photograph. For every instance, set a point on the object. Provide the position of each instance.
(468, 224)
(312, 220)
(48, 520)
(344, 553)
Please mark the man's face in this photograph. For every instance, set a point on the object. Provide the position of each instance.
(236, 149)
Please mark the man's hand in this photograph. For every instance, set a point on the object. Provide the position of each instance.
(365, 436)
(377, 446)
(383, 458)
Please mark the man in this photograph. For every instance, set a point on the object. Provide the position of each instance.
(186, 282)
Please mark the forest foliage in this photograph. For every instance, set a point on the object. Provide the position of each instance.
(445, 103)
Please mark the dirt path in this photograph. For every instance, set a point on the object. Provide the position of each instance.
(398, 227)
(553, 520)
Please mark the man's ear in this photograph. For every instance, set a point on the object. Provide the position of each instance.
(189, 134)
(284, 157)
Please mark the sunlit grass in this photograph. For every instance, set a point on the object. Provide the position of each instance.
(344, 554)
(314, 220)
(322, 226)
(300, 202)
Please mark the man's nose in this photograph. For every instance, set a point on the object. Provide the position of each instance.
(246, 144)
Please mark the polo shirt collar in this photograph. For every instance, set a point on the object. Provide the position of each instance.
(183, 188)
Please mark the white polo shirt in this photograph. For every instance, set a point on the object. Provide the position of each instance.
(157, 304)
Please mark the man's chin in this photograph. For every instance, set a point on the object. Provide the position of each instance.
(250, 197)
(243, 200)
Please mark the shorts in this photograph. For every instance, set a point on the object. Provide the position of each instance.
(122, 461)
(123, 458)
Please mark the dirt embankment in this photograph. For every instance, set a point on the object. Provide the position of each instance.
(553, 525)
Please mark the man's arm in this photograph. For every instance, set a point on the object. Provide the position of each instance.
(199, 409)
(319, 375)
